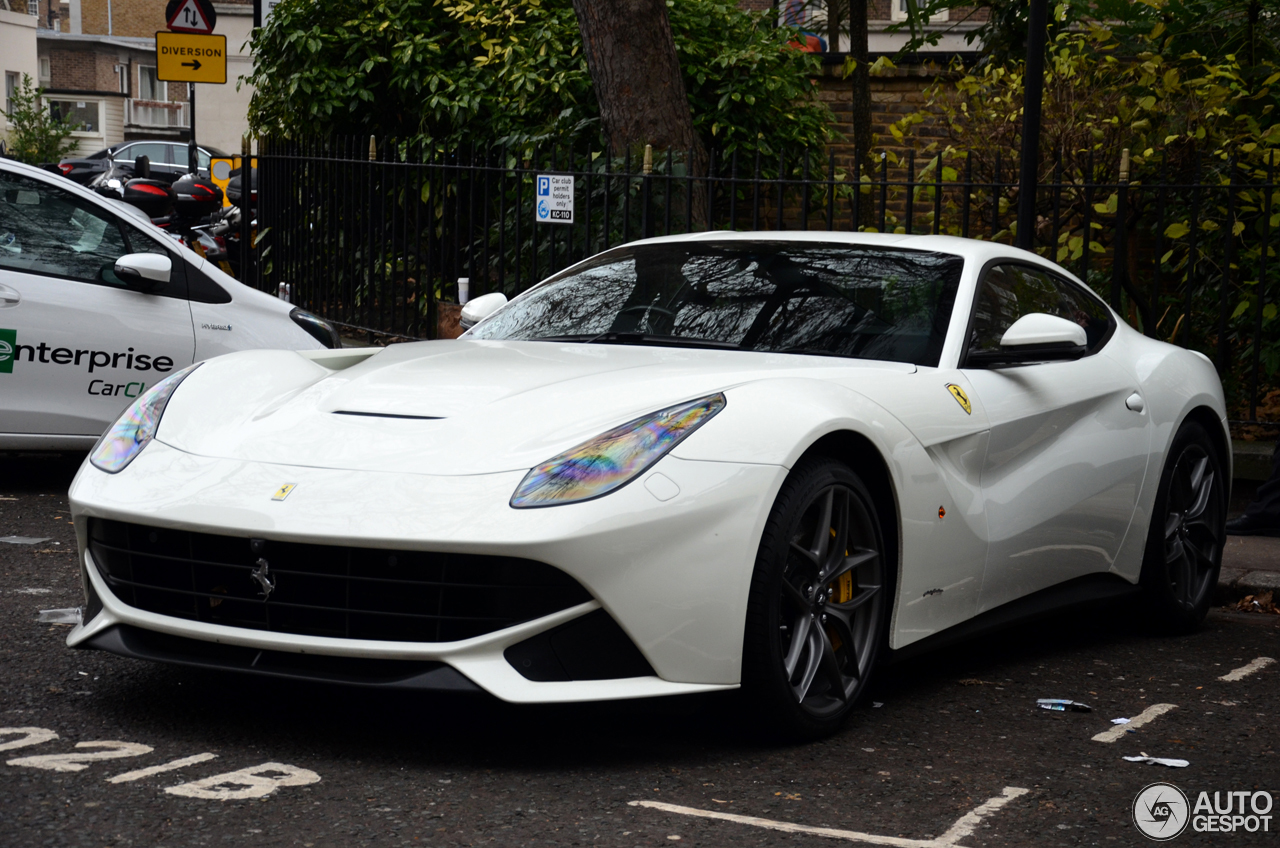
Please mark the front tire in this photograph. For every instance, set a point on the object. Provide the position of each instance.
(1184, 545)
(817, 616)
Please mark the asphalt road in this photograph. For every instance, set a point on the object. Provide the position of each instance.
(938, 738)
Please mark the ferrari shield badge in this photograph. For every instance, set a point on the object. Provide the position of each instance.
(283, 491)
(956, 392)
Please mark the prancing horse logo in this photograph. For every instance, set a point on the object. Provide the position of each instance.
(262, 573)
(262, 576)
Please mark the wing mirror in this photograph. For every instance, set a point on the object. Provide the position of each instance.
(481, 308)
(1035, 337)
(143, 271)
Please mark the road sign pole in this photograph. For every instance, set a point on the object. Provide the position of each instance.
(193, 161)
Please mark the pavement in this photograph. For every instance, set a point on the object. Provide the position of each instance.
(1250, 566)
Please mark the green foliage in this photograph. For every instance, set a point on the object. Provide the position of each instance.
(37, 136)
(456, 71)
(1139, 90)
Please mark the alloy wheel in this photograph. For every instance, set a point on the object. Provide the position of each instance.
(831, 600)
(1192, 527)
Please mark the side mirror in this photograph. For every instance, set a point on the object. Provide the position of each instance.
(1035, 337)
(144, 271)
(481, 308)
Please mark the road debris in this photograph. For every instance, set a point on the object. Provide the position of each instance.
(1059, 705)
(1249, 603)
(59, 616)
(1121, 720)
(1159, 761)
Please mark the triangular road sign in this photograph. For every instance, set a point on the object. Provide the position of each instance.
(191, 16)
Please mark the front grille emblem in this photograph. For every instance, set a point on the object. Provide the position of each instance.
(262, 573)
(262, 576)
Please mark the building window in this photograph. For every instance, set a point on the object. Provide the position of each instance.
(44, 70)
(122, 78)
(11, 84)
(900, 12)
(33, 8)
(82, 112)
(150, 88)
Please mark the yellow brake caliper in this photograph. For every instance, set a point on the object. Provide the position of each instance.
(841, 592)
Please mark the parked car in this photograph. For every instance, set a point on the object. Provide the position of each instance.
(98, 305)
(687, 464)
(168, 160)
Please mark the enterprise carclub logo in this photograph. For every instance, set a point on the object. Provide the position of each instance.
(1161, 812)
(8, 343)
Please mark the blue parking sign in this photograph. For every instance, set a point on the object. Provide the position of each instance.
(544, 186)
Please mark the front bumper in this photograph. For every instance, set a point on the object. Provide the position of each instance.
(674, 574)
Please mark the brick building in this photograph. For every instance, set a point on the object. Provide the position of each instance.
(97, 66)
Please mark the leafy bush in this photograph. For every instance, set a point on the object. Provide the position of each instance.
(451, 72)
(37, 136)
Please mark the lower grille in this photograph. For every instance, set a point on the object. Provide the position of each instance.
(324, 590)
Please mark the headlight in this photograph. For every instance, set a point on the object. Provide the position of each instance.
(128, 436)
(318, 328)
(613, 459)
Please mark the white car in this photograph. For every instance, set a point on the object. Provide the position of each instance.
(98, 305)
(683, 465)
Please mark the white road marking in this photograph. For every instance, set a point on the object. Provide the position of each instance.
(169, 766)
(962, 828)
(253, 782)
(76, 762)
(1245, 670)
(1147, 715)
(31, 736)
(969, 822)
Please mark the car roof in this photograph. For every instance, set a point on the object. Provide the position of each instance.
(976, 251)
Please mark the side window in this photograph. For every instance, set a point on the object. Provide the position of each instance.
(49, 231)
(1010, 291)
(157, 153)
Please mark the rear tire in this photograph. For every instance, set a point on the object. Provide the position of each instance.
(817, 616)
(1184, 545)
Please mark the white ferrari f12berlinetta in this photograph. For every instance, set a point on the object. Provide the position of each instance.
(757, 460)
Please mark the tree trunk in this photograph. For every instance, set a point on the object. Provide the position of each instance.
(860, 80)
(631, 57)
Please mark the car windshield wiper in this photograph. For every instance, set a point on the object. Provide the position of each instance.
(812, 351)
(611, 337)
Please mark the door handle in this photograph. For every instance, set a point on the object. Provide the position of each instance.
(9, 297)
(1135, 402)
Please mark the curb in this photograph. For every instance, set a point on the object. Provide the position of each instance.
(1235, 583)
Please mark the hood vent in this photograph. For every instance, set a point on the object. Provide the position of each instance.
(388, 415)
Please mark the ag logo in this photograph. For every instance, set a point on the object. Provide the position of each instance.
(8, 341)
(961, 398)
(1161, 811)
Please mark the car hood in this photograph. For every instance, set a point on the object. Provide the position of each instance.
(450, 407)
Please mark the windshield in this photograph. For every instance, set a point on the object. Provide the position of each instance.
(832, 299)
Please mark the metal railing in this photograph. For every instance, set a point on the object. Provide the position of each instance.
(375, 235)
(154, 113)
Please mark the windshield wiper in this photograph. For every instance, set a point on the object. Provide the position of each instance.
(611, 337)
(810, 351)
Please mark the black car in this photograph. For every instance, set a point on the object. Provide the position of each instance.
(168, 160)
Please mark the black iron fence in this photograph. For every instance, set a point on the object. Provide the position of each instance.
(376, 236)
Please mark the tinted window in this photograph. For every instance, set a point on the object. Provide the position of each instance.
(49, 231)
(158, 153)
(1010, 291)
(843, 300)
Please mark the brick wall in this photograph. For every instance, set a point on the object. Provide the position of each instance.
(72, 68)
(141, 18)
(892, 97)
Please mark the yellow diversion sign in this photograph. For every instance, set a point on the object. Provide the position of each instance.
(185, 57)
